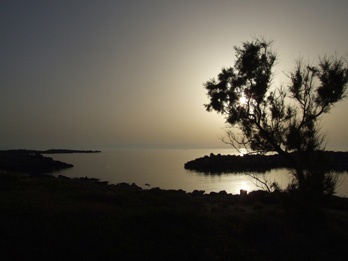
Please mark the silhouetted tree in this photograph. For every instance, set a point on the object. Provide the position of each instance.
(262, 118)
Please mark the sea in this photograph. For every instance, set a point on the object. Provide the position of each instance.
(164, 168)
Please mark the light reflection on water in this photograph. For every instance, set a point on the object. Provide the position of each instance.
(165, 169)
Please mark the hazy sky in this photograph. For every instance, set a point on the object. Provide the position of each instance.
(101, 74)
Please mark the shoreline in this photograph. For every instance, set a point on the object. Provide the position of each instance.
(58, 217)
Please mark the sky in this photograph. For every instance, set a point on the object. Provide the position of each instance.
(107, 74)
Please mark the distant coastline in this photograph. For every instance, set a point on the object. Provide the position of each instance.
(50, 151)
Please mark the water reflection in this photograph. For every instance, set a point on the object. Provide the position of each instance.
(233, 183)
(165, 169)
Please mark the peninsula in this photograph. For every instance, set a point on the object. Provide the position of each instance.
(215, 164)
(33, 161)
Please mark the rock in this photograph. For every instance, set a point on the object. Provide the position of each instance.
(243, 192)
(198, 192)
(223, 193)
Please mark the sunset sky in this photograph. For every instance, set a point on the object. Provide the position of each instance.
(106, 74)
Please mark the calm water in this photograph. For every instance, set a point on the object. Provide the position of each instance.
(165, 169)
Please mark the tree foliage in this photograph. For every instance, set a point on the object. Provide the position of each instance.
(263, 118)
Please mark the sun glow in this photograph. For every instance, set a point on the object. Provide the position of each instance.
(244, 186)
(242, 152)
(242, 100)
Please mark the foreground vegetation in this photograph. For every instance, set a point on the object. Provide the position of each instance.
(47, 218)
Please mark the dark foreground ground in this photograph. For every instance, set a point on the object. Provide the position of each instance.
(47, 218)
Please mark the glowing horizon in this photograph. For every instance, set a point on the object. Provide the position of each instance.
(93, 75)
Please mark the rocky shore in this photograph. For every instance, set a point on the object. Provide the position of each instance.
(214, 164)
(58, 218)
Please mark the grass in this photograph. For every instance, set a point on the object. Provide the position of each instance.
(47, 218)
